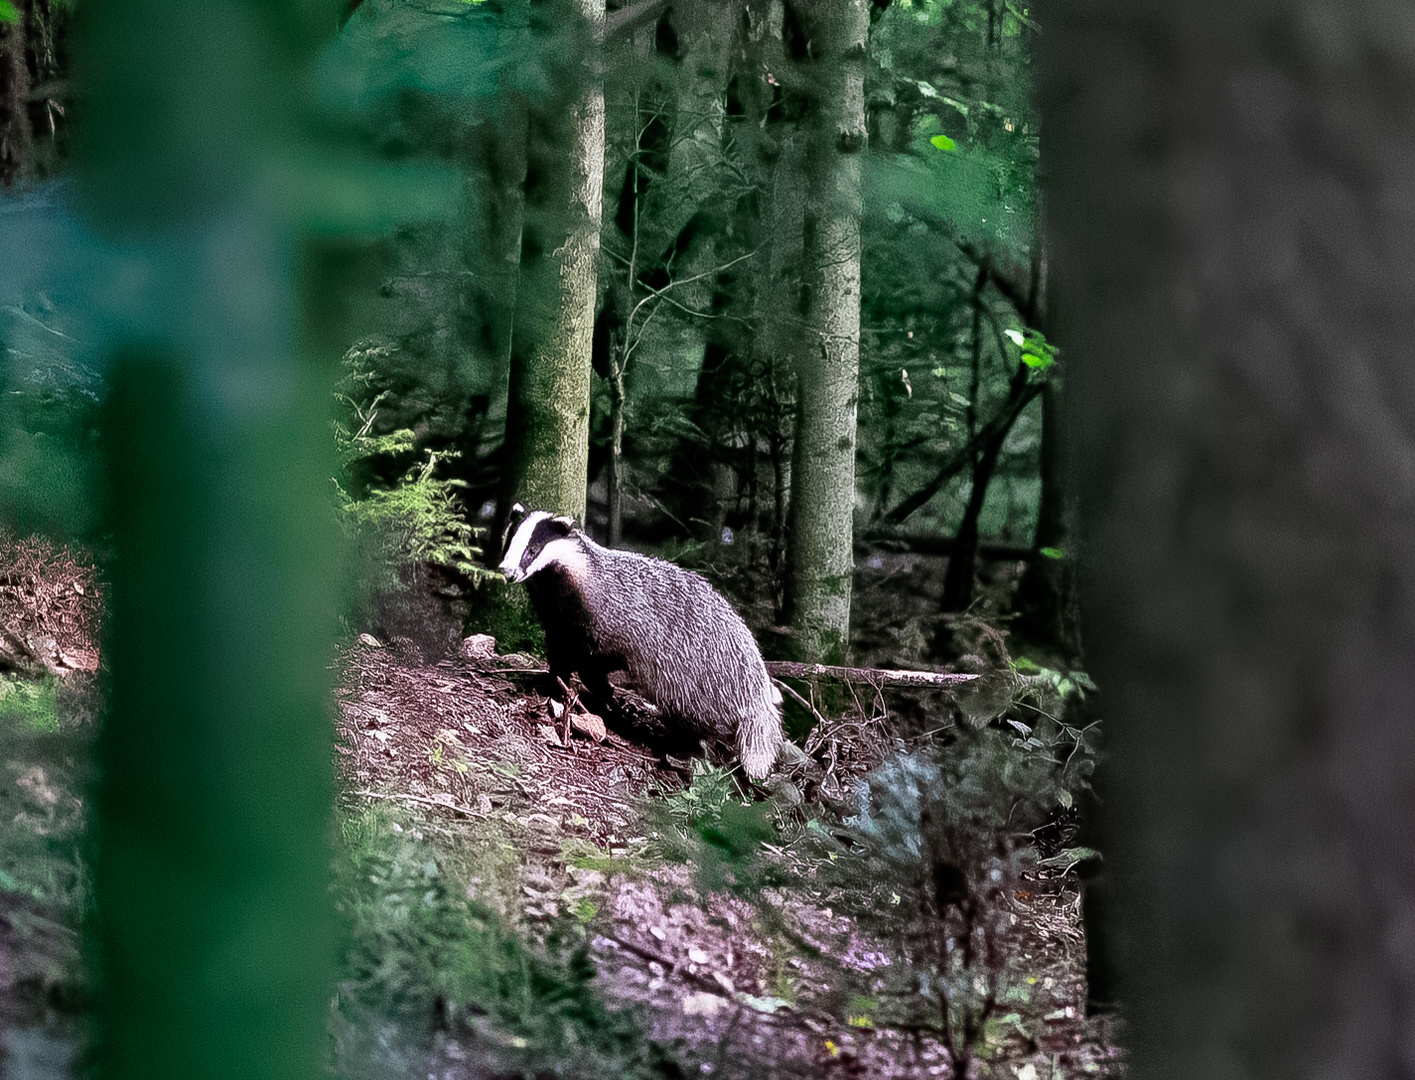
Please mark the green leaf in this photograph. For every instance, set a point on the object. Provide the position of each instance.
(943, 142)
(8, 12)
(1041, 363)
(1051, 553)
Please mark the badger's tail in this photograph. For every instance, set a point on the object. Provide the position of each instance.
(759, 738)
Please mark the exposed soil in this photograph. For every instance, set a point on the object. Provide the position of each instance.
(472, 747)
(772, 980)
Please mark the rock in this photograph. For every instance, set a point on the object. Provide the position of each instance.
(478, 647)
(589, 724)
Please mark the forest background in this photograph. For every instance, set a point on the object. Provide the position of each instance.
(758, 287)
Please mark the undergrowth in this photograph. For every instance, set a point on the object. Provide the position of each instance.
(46, 732)
(424, 961)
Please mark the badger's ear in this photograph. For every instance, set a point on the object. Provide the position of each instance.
(563, 524)
(517, 515)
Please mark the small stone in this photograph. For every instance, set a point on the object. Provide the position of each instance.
(701, 1003)
(478, 647)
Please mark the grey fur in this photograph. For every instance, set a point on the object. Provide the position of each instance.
(682, 644)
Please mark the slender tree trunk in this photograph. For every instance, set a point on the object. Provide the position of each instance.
(820, 553)
(1231, 201)
(1046, 595)
(616, 446)
(963, 561)
(548, 412)
(1047, 604)
(705, 32)
(16, 138)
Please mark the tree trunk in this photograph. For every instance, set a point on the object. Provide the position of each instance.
(963, 562)
(548, 411)
(820, 553)
(1234, 257)
(16, 138)
(1046, 595)
(616, 446)
(958, 578)
(211, 926)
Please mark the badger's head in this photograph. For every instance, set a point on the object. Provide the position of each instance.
(534, 540)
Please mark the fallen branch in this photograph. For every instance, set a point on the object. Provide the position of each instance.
(874, 676)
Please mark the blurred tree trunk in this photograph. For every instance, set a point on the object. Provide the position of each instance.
(16, 138)
(548, 412)
(211, 930)
(820, 553)
(1234, 260)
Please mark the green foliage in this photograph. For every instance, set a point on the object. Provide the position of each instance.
(711, 825)
(45, 735)
(34, 703)
(944, 837)
(8, 14)
(419, 518)
(419, 954)
(1033, 348)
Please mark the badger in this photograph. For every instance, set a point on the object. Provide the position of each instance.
(680, 642)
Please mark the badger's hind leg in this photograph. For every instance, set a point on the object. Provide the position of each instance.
(759, 742)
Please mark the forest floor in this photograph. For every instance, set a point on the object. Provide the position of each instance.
(747, 964)
(739, 983)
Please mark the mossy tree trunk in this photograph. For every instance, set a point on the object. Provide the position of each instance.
(548, 412)
(1232, 245)
(820, 555)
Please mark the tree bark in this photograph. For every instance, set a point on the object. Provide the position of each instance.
(548, 411)
(820, 543)
(963, 562)
(16, 137)
(1046, 595)
(1234, 257)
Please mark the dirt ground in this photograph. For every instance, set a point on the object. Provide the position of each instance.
(472, 747)
(469, 754)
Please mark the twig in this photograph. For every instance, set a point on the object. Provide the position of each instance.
(820, 720)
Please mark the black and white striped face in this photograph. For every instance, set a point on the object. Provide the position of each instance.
(535, 540)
